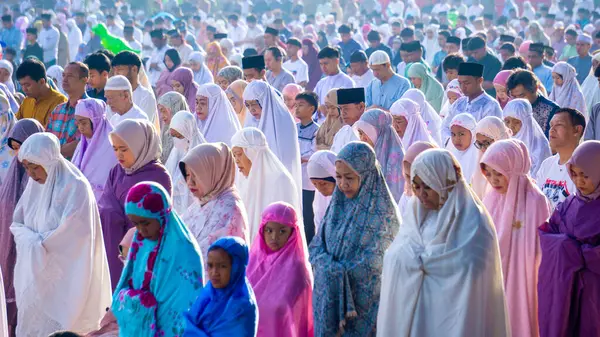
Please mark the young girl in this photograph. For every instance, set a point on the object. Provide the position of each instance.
(182, 81)
(281, 276)
(409, 123)
(452, 93)
(461, 145)
(500, 86)
(567, 92)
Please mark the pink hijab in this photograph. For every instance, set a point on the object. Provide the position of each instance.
(282, 280)
(587, 158)
(185, 76)
(291, 90)
(501, 79)
(409, 156)
(524, 48)
(517, 215)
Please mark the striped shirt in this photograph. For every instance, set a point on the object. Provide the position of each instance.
(61, 122)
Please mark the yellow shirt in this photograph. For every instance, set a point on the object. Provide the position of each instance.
(40, 109)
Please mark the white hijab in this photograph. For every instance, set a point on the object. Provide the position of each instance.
(184, 123)
(430, 116)
(590, 88)
(4, 64)
(268, 181)
(418, 288)
(531, 133)
(467, 158)
(222, 122)
(56, 72)
(416, 129)
(569, 94)
(75, 38)
(204, 75)
(432, 46)
(321, 165)
(58, 236)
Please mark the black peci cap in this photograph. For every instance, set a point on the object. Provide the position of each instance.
(252, 62)
(470, 69)
(350, 96)
(272, 31)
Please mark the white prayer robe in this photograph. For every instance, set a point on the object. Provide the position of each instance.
(337, 81)
(344, 136)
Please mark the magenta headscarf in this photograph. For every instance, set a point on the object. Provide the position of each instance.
(587, 158)
(185, 76)
(501, 79)
(312, 60)
(282, 280)
(524, 48)
(409, 156)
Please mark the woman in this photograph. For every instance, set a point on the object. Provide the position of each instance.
(7, 121)
(57, 235)
(186, 136)
(228, 75)
(163, 274)
(375, 128)
(408, 123)
(169, 104)
(172, 61)
(227, 46)
(137, 148)
(518, 116)
(431, 44)
(226, 306)
(289, 93)
(321, 172)
(461, 144)
(409, 157)
(451, 94)
(182, 81)
(347, 267)
(500, 86)
(263, 179)
(445, 225)
(424, 81)
(430, 116)
(216, 118)
(75, 38)
(517, 207)
(566, 92)
(94, 154)
(569, 244)
(215, 60)
(218, 211)
(10, 193)
(489, 129)
(55, 73)
(235, 93)
(281, 276)
(310, 53)
(201, 73)
(332, 124)
(6, 75)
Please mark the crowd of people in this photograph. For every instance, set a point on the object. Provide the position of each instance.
(288, 168)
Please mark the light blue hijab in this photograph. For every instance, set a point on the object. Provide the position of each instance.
(162, 278)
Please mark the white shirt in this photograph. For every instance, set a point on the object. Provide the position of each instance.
(363, 80)
(475, 10)
(344, 136)
(134, 113)
(338, 81)
(554, 180)
(299, 69)
(135, 44)
(252, 34)
(158, 57)
(184, 52)
(236, 34)
(48, 40)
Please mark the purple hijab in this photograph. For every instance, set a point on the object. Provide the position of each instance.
(10, 192)
(185, 76)
(95, 156)
(569, 274)
(312, 60)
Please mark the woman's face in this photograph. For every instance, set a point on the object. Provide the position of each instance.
(222, 82)
(4, 75)
(426, 195)
(347, 180)
(496, 179)
(168, 62)
(452, 97)
(237, 106)
(584, 184)
(363, 137)
(461, 137)
(254, 107)
(305, 50)
(202, 107)
(149, 228)
(483, 142)
(332, 110)
(501, 92)
(84, 125)
(35, 172)
(123, 153)
(276, 235)
(241, 160)
(558, 80)
(177, 87)
(15, 146)
(192, 183)
(323, 186)
(513, 124)
(165, 114)
(416, 81)
(400, 123)
(219, 268)
(195, 66)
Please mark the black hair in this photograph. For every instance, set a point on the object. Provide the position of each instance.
(33, 68)
(84, 71)
(524, 18)
(445, 33)
(98, 62)
(149, 23)
(278, 54)
(329, 53)
(597, 36)
(549, 50)
(452, 61)
(7, 18)
(310, 97)
(571, 32)
(127, 58)
(251, 18)
(576, 117)
(508, 46)
(173, 54)
(250, 52)
(523, 77)
(197, 17)
(65, 334)
(107, 53)
(515, 62)
(10, 50)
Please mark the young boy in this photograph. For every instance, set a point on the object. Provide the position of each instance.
(99, 66)
(33, 49)
(450, 66)
(306, 105)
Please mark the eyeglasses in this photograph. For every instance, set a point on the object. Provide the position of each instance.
(482, 145)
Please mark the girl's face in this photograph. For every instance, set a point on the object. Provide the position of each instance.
(149, 228)
(15, 146)
(168, 62)
(4, 75)
(241, 160)
(178, 87)
(496, 179)
(332, 110)
(122, 152)
(35, 172)
(501, 92)
(363, 137)
(237, 106)
(195, 66)
(191, 181)
(426, 195)
(461, 137)
(452, 97)
(84, 125)
(400, 123)
(202, 107)
(219, 268)
(482, 142)
(584, 184)
(254, 107)
(416, 81)
(347, 180)
(276, 235)
(323, 186)
(165, 114)
(513, 124)
(558, 80)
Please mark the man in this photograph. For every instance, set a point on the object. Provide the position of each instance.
(295, 64)
(48, 40)
(99, 67)
(352, 105)
(476, 9)
(407, 35)
(329, 60)
(32, 48)
(283, 31)
(506, 51)
(156, 62)
(542, 71)
(277, 76)
(491, 64)
(549, 24)
(583, 61)
(375, 44)
(138, 34)
(10, 34)
(236, 31)
(387, 87)
(119, 100)
(438, 57)
(113, 27)
(452, 45)
(187, 36)
(61, 121)
(254, 68)
(347, 44)
(41, 98)
(566, 129)
(475, 100)
(362, 75)
(128, 64)
(524, 84)
(252, 33)
(549, 56)
(396, 28)
(592, 131)
(271, 37)
(176, 41)
(81, 22)
(570, 49)
(412, 52)
(128, 36)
